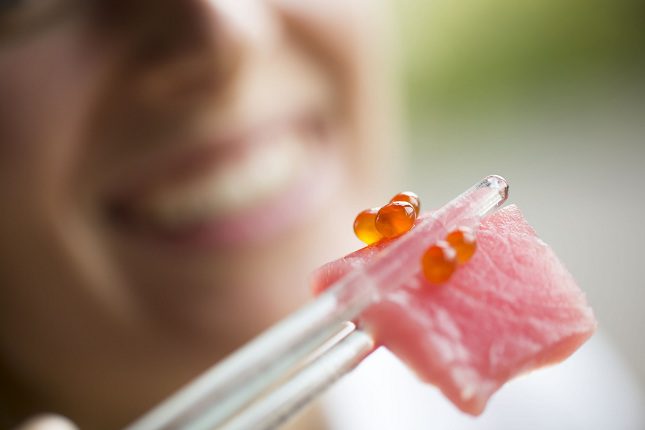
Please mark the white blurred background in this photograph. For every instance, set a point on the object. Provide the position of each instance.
(550, 95)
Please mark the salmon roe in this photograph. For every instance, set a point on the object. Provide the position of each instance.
(365, 226)
(463, 242)
(410, 197)
(439, 263)
(395, 218)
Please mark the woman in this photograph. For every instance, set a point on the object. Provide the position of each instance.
(170, 172)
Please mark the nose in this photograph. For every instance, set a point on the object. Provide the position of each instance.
(188, 51)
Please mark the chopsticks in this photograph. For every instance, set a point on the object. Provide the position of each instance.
(222, 391)
(269, 379)
(282, 403)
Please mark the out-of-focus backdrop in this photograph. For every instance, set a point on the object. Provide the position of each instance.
(551, 95)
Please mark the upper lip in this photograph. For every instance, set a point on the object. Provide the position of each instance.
(170, 166)
(188, 161)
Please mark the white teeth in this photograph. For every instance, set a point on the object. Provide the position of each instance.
(267, 168)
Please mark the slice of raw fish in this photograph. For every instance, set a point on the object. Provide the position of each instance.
(514, 307)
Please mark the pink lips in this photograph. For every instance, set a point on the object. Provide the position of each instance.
(262, 222)
(264, 219)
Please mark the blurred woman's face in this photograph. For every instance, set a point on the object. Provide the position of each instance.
(169, 173)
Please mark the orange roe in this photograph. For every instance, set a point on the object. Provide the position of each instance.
(439, 263)
(464, 243)
(395, 218)
(365, 226)
(410, 197)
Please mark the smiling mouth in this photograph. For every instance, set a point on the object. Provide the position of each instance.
(246, 189)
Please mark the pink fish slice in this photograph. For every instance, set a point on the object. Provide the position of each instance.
(514, 307)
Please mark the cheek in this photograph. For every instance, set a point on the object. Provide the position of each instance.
(352, 37)
(49, 83)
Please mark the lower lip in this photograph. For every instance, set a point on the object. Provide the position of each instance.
(262, 223)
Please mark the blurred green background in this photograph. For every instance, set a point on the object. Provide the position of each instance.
(551, 95)
(494, 56)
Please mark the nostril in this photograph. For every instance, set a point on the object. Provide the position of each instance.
(176, 51)
(177, 79)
